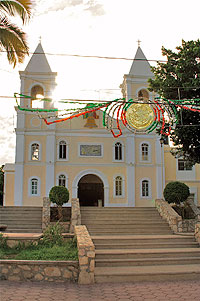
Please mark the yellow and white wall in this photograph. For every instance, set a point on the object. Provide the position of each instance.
(157, 169)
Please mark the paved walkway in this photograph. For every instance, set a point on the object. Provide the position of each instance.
(146, 291)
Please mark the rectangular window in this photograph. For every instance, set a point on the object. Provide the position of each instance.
(183, 165)
(145, 188)
(62, 152)
(34, 187)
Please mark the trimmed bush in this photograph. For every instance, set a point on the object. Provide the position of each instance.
(176, 192)
(59, 195)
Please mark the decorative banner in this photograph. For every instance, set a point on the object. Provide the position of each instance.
(136, 115)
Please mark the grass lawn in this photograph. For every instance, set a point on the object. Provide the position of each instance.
(66, 251)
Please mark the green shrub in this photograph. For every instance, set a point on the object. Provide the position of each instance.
(3, 241)
(59, 195)
(176, 192)
(53, 235)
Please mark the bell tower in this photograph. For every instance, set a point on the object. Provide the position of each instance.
(136, 82)
(37, 80)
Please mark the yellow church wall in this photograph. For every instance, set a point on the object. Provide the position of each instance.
(170, 166)
(140, 173)
(9, 188)
(31, 172)
(109, 172)
(29, 139)
(138, 142)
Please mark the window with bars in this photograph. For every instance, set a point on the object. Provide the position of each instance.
(145, 151)
(35, 152)
(62, 180)
(118, 186)
(145, 188)
(183, 165)
(118, 151)
(34, 186)
(62, 150)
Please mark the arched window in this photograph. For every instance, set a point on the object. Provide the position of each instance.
(37, 93)
(62, 180)
(143, 94)
(145, 151)
(118, 186)
(34, 186)
(145, 188)
(35, 152)
(118, 151)
(62, 150)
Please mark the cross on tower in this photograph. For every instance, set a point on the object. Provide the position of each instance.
(138, 42)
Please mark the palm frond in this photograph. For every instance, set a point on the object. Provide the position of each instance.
(13, 40)
(19, 7)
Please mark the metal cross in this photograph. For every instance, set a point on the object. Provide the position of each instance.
(138, 42)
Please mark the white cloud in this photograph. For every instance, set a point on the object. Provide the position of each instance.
(43, 7)
(96, 9)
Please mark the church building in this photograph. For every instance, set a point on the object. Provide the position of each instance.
(82, 155)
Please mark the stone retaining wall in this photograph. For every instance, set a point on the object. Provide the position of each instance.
(86, 254)
(75, 214)
(197, 232)
(45, 213)
(170, 215)
(23, 270)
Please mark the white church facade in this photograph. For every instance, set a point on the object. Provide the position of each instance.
(131, 170)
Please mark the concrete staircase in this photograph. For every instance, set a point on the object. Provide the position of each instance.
(135, 244)
(21, 219)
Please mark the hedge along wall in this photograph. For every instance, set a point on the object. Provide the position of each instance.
(23, 270)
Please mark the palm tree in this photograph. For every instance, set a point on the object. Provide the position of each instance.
(12, 38)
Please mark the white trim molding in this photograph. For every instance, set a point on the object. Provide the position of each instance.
(66, 178)
(149, 159)
(96, 172)
(30, 151)
(30, 187)
(149, 188)
(114, 186)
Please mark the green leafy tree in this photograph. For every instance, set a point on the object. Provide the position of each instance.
(177, 192)
(1, 184)
(12, 38)
(179, 78)
(59, 195)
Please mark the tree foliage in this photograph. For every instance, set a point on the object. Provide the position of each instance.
(12, 38)
(176, 192)
(179, 78)
(59, 195)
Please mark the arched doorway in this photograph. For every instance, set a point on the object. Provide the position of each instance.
(90, 190)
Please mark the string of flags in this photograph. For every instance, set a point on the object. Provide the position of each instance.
(136, 115)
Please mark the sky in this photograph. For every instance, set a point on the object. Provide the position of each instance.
(108, 28)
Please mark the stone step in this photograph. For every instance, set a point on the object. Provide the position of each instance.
(88, 208)
(129, 226)
(120, 222)
(22, 219)
(146, 273)
(144, 245)
(146, 262)
(24, 230)
(147, 253)
(129, 231)
(20, 208)
(142, 238)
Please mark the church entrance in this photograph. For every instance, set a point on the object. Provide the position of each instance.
(90, 190)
